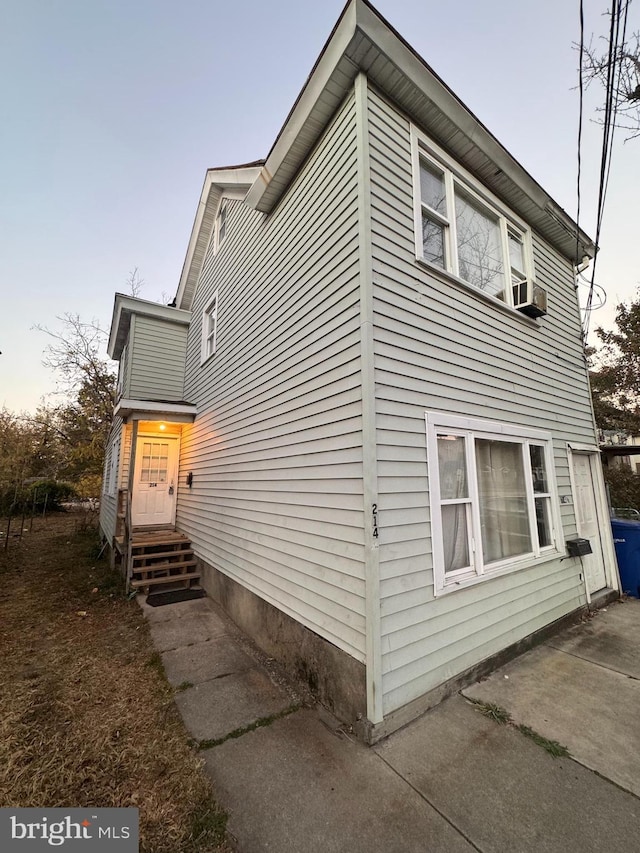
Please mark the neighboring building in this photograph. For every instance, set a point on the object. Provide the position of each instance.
(359, 414)
(619, 449)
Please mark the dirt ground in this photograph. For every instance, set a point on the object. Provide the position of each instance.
(88, 718)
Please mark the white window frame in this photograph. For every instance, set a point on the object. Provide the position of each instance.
(210, 328)
(470, 429)
(455, 176)
(221, 225)
(111, 468)
(121, 370)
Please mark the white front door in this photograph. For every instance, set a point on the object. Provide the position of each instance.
(584, 483)
(154, 484)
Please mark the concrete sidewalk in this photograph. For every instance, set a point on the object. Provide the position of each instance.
(292, 779)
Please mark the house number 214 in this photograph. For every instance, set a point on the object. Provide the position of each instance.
(374, 519)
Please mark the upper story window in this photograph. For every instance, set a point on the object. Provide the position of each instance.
(121, 371)
(210, 328)
(492, 500)
(462, 229)
(221, 224)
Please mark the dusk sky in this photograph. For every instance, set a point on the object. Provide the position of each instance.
(112, 110)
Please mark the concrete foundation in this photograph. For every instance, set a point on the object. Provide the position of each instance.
(337, 680)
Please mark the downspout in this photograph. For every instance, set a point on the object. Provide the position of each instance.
(369, 449)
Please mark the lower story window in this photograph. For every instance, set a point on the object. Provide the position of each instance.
(492, 503)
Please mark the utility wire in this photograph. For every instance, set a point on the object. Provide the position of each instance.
(580, 114)
(617, 37)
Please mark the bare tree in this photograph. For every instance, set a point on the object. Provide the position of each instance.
(135, 283)
(597, 68)
(75, 355)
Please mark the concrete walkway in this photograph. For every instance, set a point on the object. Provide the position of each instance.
(294, 781)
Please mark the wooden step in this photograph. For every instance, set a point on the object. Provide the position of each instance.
(137, 544)
(163, 567)
(179, 553)
(170, 579)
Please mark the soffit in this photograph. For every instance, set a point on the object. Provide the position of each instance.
(363, 41)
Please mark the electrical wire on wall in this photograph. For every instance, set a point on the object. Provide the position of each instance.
(615, 51)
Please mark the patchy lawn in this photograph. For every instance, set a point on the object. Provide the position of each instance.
(88, 718)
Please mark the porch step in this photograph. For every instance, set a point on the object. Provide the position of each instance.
(161, 557)
(182, 552)
(157, 540)
(165, 566)
(139, 584)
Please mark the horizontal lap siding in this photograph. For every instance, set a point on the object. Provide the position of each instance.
(109, 503)
(440, 347)
(276, 451)
(157, 360)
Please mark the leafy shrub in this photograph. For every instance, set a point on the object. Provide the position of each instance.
(50, 493)
(624, 486)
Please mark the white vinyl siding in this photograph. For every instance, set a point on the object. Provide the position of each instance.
(276, 453)
(156, 353)
(111, 480)
(438, 347)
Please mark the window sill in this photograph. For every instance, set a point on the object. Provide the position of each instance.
(527, 562)
(206, 360)
(447, 277)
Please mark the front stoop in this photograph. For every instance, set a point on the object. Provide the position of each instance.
(162, 559)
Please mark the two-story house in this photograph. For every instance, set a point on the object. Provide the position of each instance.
(366, 422)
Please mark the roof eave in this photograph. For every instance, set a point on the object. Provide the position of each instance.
(332, 69)
(215, 183)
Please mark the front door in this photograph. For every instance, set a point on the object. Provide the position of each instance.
(587, 518)
(154, 489)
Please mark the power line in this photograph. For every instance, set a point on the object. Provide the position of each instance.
(617, 37)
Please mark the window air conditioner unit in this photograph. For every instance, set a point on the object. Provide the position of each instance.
(530, 298)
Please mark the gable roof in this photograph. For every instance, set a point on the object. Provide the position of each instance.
(217, 181)
(363, 40)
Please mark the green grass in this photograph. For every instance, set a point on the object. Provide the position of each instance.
(494, 712)
(557, 750)
(257, 724)
(503, 717)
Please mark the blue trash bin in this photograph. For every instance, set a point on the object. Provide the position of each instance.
(626, 538)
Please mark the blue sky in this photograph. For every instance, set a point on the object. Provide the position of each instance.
(112, 110)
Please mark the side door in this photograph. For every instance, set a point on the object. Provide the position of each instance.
(588, 523)
(154, 499)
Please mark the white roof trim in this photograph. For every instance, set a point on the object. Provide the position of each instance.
(216, 183)
(180, 412)
(361, 19)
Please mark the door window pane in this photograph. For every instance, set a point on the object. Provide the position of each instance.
(155, 462)
(504, 515)
(479, 247)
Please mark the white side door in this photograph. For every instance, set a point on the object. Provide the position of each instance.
(154, 484)
(584, 484)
